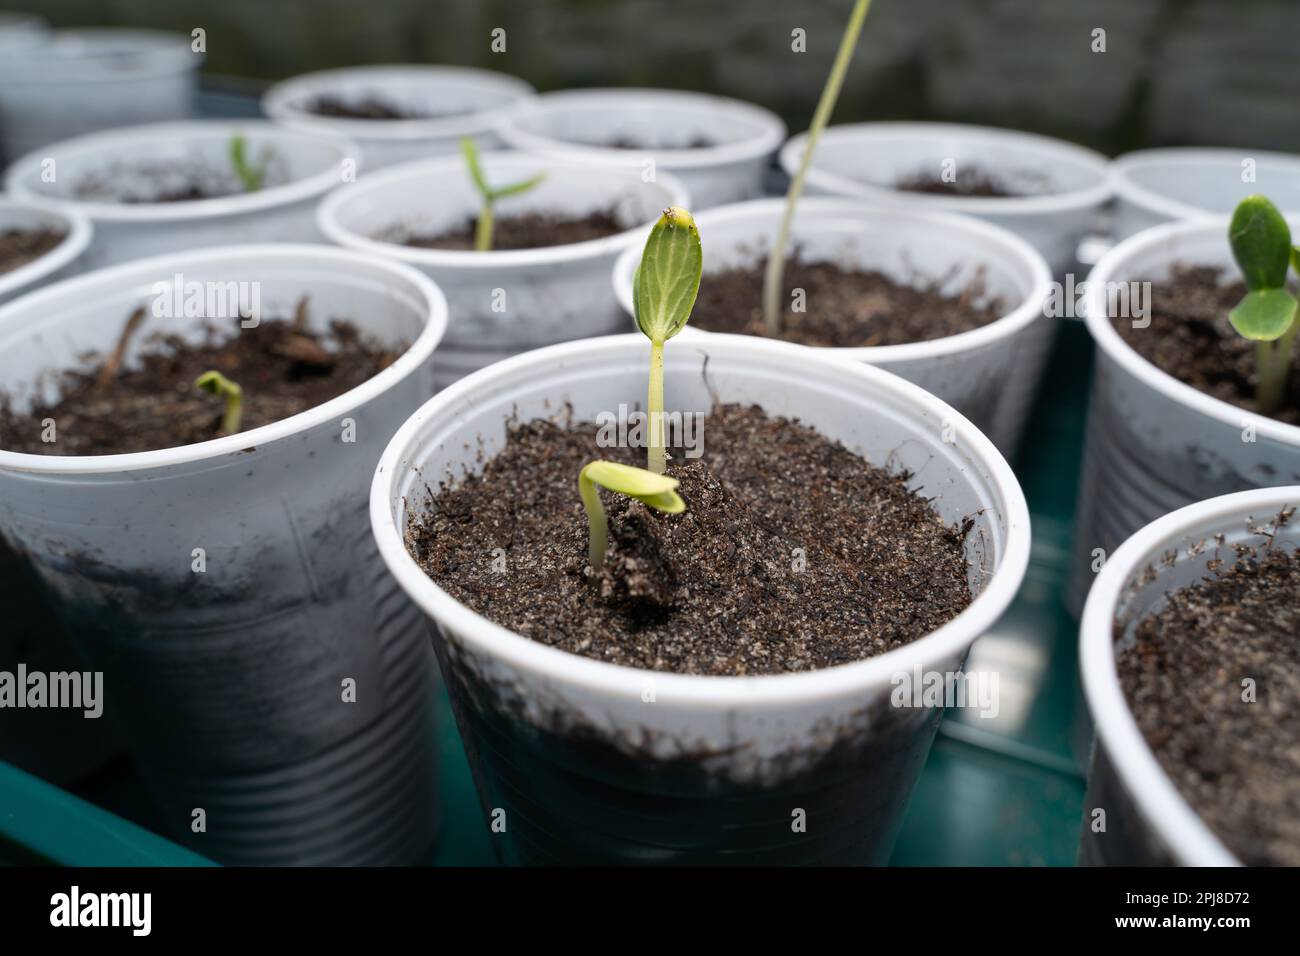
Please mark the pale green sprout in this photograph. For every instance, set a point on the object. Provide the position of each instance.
(664, 288)
(488, 193)
(656, 491)
(775, 271)
(253, 176)
(1261, 244)
(214, 383)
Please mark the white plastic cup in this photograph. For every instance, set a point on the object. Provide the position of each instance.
(1154, 444)
(1148, 822)
(461, 101)
(279, 212)
(503, 301)
(21, 31)
(1154, 186)
(585, 768)
(26, 736)
(229, 675)
(577, 125)
(989, 374)
(55, 264)
(80, 81)
(865, 160)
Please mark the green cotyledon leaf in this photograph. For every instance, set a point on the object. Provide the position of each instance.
(668, 279)
(1261, 243)
(1264, 315)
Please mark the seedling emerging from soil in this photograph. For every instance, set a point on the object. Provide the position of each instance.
(1261, 244)
(664, 288)
(489, 194)
(656, 491)
(253, 176)
(214, 383)
(775, 271)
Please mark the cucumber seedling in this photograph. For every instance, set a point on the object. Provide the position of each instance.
(214, 383)
(664, 288)
(656, 491)
(252, 175)
(489, 194)
(1261, 244)
(775, 271)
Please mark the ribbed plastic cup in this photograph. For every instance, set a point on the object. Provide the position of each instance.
(265, 671)
(591, 762)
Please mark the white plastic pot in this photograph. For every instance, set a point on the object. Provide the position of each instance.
(578, 125)
(86, 80)
(303, 169)
(989, 374)
(19, 31)
(459, 101)
(594, 762)
(503, 301)
(1148, 822)
(56, 263)
(1154, 186)
(1154, 444)
(229, 677)
(865, 160)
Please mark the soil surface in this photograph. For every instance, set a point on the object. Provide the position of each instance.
(718, 589)
(528, 231)
(21, 246)
(167, 182)
(1191, 338)
(153, 403)
(1236, 763)
(843, 307)
(969, 181)
(372, 107)
(633, 142)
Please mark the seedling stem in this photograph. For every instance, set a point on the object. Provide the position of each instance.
(775, 272)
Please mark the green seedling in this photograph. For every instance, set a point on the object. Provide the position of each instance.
(656, 491)
(253, 176)
(663, 293)
(775, 271)
(1261, 244)
(489, 194)
(214, 383)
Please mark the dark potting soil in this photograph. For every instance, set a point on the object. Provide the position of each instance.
(282, 368)
(527, 231)
(843, 307)
(969, 181)
(21, 246)
(372, 107)
(718, 589)
(1191, 338)
(697, 141)
(1236, 762)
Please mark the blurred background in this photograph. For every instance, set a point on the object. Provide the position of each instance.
(1220, 72)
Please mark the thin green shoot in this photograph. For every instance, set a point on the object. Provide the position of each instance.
(489, 194)
(214, 383)
(1261, 244)
(655, 491)
(251, 175)
(774, 274)
(664, 288)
